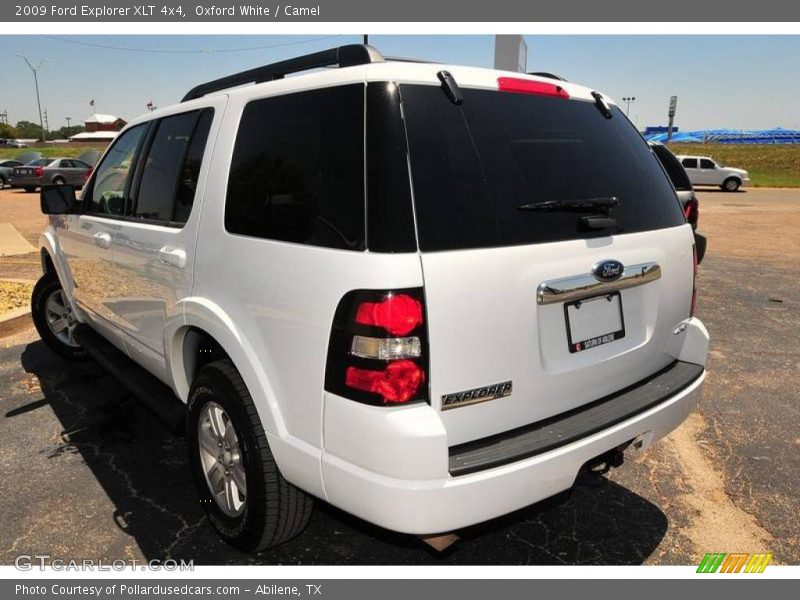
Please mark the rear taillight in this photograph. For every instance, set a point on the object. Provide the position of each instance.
(39, 171)
(88, 174)
(691, 211)
(694, 281)
(378, 349)
(530, 86)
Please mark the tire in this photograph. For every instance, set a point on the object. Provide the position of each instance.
(54, 319)
(59, 181)
(3, 182)
(731, 184)
(29, 189)
(272, 511)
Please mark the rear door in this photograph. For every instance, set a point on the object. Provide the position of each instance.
(154, 244)
(508, 191)
(692, 170)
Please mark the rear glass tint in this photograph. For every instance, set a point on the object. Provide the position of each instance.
(673, 168)
(473, 165)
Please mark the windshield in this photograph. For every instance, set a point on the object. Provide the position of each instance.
(474, 165)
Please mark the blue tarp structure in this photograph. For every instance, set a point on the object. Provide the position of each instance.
(732, 136)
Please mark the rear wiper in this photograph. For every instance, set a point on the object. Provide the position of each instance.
(601, 205)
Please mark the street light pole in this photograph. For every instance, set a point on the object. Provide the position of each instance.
(36, 83)
(68, 120)
(627, 102)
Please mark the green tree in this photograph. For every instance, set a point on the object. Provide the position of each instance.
(66, 132)
(8, 132)
(26, 129)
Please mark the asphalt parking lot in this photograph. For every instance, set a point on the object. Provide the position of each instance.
(90, 474)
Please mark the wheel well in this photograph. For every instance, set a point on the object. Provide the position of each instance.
(47, 264)
(199, 349)
(736, 177)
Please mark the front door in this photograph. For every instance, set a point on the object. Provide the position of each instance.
(154, 245)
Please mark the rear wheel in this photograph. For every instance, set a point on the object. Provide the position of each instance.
(59, 181)
(54, 319)
(731, 184)
(3, 182)
(247, 500)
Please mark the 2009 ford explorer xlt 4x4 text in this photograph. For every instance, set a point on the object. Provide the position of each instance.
(428, 295)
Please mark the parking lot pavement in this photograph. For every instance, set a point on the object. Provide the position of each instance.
(94, 476)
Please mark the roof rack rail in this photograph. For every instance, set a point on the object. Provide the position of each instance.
(546, 74)
(343, 56)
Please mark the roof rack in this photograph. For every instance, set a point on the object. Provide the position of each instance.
(343, 56)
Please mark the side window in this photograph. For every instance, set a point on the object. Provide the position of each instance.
(187, 184)
(689, 163)
(297, 172)
(707, 164)
(107, 193)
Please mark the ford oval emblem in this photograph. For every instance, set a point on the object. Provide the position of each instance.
(608, 270)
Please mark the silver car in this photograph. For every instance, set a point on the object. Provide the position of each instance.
(54, 171)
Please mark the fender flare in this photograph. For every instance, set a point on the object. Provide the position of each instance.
(203, 314)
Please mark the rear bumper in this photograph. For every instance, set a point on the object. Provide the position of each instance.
(419, 496)
(24, 181)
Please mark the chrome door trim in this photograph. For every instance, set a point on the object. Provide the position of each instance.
(583, 286)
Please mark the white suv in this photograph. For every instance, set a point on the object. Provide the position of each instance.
(427, 295)
(703, 170)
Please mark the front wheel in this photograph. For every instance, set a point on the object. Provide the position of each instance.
(731, 184)
(54, 318)
(246, 498)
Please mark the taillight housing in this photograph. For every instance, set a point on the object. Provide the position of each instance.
(691, 211)
(378, 348)
(693, 307)
(88, 174)
(531, 86)
(38, 171)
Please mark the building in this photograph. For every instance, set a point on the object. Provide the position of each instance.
(100, 128)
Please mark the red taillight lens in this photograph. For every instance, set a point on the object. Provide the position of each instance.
(399, 315)
(529, 86)
(88, 174)
(38, 171)
(692, 212)
(398, 382)
(694, 282)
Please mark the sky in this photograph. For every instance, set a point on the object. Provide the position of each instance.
(721, 81)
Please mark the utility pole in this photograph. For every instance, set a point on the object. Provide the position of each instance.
(36, 83)
(46, 125)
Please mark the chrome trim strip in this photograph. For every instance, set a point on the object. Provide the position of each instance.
(584, 286)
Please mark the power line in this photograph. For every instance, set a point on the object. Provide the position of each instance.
(200, 51)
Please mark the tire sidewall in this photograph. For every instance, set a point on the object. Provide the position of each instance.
(211, 384)
(46, 285)
(728, 181)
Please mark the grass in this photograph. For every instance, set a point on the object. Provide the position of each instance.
(54, 151)
(768, 165)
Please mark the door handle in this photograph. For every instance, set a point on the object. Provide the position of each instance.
(102, 239)
(172, 256)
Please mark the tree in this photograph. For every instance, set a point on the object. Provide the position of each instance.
(66, 132)
(26, 129)
(8, 132)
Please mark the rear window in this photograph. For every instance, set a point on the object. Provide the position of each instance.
(673, 168)
(472, 165)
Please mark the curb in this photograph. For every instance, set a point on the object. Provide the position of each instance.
(15, 321)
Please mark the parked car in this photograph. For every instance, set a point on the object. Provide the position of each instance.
(703, 170)
(56, 171)
(6, 171)
(13, 143)
(427, 317)
(680, 181)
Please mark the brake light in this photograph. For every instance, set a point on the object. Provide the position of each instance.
(398, 314)
(378, 349)
(692, 212)
(397, 383)
(529, 86)
(88, 174)
(38, 171)
(693, 308)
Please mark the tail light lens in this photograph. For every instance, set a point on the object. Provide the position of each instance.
(692, 212)
(39, 171)
(694, 282)
(88, 174)
(378, 349)
(530, 86)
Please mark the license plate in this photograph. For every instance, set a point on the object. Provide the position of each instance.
(593, 322)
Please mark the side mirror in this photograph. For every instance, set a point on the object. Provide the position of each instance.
(58, 199)
(700, 243)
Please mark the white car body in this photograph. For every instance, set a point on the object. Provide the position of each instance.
(704, 170)
(270, 304)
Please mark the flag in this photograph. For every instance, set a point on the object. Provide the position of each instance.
(91, 102)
